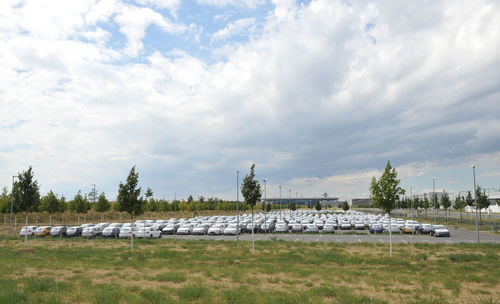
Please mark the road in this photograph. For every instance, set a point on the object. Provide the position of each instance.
(457, 236)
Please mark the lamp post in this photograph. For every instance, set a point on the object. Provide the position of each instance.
(12, 204)
(411, 201)
(280, 201)
(475, 200)
(434, 200)
(175, 204)
(237, 205)
(265, 204)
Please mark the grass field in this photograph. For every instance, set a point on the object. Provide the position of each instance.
(182, 271)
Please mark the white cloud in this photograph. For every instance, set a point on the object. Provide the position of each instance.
(311, 99)
(234, 28)
(171, 5)
(247, 3)
(133, 22)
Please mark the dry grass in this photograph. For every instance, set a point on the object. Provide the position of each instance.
(165, 271)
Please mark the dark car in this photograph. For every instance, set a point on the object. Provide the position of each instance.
(376, 228)
(58, 231)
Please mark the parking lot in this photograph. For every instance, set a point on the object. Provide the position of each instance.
(456, 236)
(295, 226)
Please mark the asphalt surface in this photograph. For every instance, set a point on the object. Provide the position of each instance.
(456, 236)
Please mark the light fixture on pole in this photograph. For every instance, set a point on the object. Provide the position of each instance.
(434, 200)
(237, 205)
(475, 199)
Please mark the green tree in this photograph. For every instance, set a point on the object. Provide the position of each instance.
(50, 204)
(459, 204)
(102, 204)
(79, 203)
(345, 206)
(192, 207)
(318, 205)
(63, 205)
(5, 201)
(149, 193)
(250, 189)
(26, 195)
(183, 206)
(386, 192)
(446, 203)
(426, 204)
(293, 206)
(482, 201)
(469, 200)
(268, 207)
(129, 200)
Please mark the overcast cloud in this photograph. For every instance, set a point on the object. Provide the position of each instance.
(319, 94)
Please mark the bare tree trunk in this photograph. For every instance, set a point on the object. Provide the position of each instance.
(390, 235)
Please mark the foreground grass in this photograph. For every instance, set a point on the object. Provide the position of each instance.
(182, 271)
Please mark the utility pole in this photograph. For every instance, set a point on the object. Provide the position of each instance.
(175, 203)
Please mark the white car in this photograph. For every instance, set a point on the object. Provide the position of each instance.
(281, 227)
(148, 232)
(200, 229)
(394, 228)
(92, 231)
(185, 229)
(126, 232)
(328, 227)
(30, 231)
(439, 230)
(230, 230)
(345, 226)
(216, 229)
(312, 228)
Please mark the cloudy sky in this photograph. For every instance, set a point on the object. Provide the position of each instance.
(318, 94)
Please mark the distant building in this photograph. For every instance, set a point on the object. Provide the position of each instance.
(361, 202)
(306, 201)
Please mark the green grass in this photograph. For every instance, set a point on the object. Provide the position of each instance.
(183, 271)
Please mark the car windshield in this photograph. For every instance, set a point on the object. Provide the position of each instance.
(439, 227)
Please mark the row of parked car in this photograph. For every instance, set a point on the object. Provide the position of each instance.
(274, 222)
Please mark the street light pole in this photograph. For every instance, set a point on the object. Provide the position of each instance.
(175, 204)
(411, 201)
(475, 200)
(237, 205)
(434, 200)
(12, 204)
(265, 203)
(280, 201)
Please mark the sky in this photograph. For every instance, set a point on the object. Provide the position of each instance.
(318, 94)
